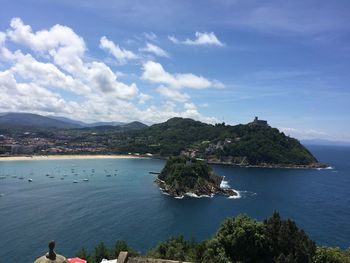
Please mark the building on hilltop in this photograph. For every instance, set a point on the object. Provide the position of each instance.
(259, 122)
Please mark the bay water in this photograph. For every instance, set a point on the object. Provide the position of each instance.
(119, 200)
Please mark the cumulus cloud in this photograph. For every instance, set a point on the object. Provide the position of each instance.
(122, 55)
(55, 76)
(202, 39)
(155, 72)
(143, 98)
(173, 94)
(154, 49)
(60, 42)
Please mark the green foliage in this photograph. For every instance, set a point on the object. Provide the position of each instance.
(258, 144)
(331, 255)
(84, 254)
(238, 239)
(242, 239)
(121, 245)
(176, 248)
(287, 242)
(101, 252)
(185, 172)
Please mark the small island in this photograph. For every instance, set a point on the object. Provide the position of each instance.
(184, 176)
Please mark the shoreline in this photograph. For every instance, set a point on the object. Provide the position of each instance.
(126, 156)
(68, 157)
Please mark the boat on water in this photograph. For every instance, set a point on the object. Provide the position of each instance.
(30, 180)
(108, 175)
(85, 180)
(151, 172)
(2, 177)
(52, 176)
(62, 178)
(75, 182)
(21, 177)
(47, 174)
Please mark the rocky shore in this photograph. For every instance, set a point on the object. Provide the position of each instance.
(207, 189)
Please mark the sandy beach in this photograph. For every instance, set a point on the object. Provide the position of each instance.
(66, 157)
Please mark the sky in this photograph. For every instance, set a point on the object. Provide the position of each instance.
(287, 62)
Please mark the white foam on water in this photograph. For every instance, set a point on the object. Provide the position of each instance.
(245, 194)
(326, 168)
(235, 196)
(224, 184)
(189, 194)
(179, 197)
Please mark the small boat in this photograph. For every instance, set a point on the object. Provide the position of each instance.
(21, 177)
(75, 182)
(30, 180)
(52, 176)
(86, 180)
(47, 175)
(62, 178)
(2, 177)
(108, 175)
(151, 172)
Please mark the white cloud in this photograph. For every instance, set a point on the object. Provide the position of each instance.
(151, 48)
(46, 74)
(143, 98)
(30, 97)
(173, 94)
(155, 72)
(101, 78)
(122, 55)
(60, 42)
(304, 134)
(57, 62)
(150, 36)
(202, 39)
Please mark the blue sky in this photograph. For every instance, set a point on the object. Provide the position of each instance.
(284, 61)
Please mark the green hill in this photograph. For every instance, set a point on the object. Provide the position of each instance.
(248, 144)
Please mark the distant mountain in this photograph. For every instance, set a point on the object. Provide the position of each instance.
(12, 119)
(67, 120)
(104, 123)
(135, 125)
(26, 120)
(84, 124)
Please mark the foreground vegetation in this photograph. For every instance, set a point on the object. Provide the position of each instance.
(238, 239)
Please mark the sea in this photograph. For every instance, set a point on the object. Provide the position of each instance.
(79, 203)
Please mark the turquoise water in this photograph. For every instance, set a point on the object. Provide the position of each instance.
(128, 205)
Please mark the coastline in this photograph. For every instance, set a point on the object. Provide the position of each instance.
(68, 157)
(274, 166)
(317, 166)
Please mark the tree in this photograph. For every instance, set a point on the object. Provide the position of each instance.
(286, 239)
(84, 254)
(101, 252)
(242, 239)
(330, 255)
